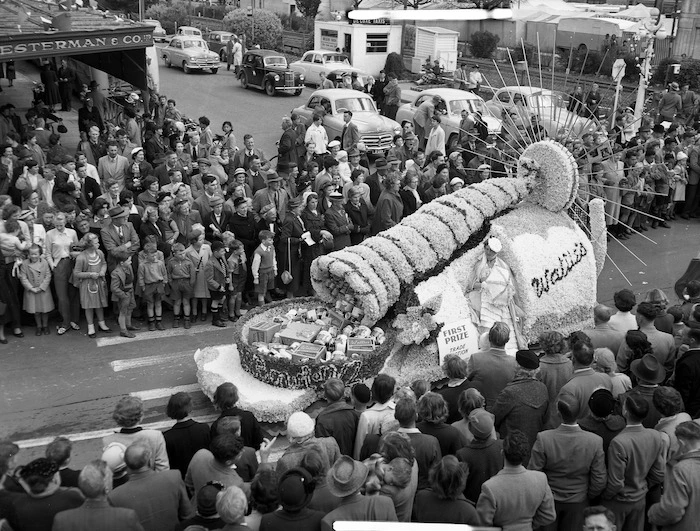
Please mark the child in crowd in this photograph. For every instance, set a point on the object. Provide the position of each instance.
(152, 278)
(199, 252)
(678, 184)
(264, 267)
(122, 286)
(216, 273)
(181, 274)
(238, 270)
(35, 276)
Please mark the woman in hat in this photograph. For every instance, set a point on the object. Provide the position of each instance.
(389, 208)
(153, 143)
(89, 274)
(199, 252)
(358, 214)
(295, 491)
(492, 293)
(149, 197)
(316, 225)
(292, 235)
(137, 171)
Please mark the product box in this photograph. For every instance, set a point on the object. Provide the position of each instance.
(299, 333)
(337, 319)
(360, 345)
(263, 332)
(309, 351)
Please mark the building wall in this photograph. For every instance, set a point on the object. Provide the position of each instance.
(688, 33)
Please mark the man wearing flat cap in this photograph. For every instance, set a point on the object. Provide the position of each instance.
(337, 222)
(119, 235)
(211, 190)
(149, 196)
(113, 166)
(524, 403)
(197, 179)
(270, 203)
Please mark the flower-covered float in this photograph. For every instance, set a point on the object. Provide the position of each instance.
(409, 282)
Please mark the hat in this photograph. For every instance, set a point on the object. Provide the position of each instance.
(527, 359)
(342, 154)
(239, 171)
(346, 476)
(206, 500)
(239, 201)
(31, 163)
(203, 160)
(94, 83)
(133, 97)
(494, 244)
(335, 196)
(39, 467)
(380, 163)
(148, 181)
(273, 178)
(362, 393)
(674, 86)
(456, 180)
(296, 489)
(681, 156)
(659, 129)
(454, 155)
(409, 136)
(300, 424)
(67, 159)
(361, 147)
(333, 143)
(113, 455)
(293, 203)
(484, 167)
(118, 212)
(601, 403)
(215, 201)
(162, 195)
(392, 159)
(135, 151)
(648, 369)
(353, 152)
(480, 422)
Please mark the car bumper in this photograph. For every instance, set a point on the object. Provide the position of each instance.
(378, 143)
(203, 64)
(289, 89)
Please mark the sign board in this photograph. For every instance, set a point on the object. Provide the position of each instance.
(458, 337)
(329, 39)
(618, 70)
(48, 45)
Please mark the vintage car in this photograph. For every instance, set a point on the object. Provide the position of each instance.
(158, 31)
(376, 131)
(268, 70)
(314, 62)
(517, 105)
(191, 53)
(217, 41)
(189, 30)
(456, 101)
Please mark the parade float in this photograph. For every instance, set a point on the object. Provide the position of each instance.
(400, 301)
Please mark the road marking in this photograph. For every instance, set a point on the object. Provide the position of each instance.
(98, 434)
(158, 334)
(152, 394)
(147, 361)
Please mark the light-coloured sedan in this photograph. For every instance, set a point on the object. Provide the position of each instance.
(191, 53)
(314, 62)
(376, 131)
(456, 101)
(517, 105)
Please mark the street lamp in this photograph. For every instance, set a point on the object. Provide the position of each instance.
(652, 33)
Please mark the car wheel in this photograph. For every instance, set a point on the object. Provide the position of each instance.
(297, 92)
(222, 56)
(269, 89)
(453, 142)
(214, 70)
(244, 80)
(168, 63)
(185, 68)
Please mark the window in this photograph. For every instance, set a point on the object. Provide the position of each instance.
(377, 42)
(308, 58)
(313, 102)
(317, 59)
(504, 97)
(354, 104)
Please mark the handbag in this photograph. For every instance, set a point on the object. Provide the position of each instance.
(287, 273)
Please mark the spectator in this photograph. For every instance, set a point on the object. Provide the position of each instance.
(187, 436)
(59, 452)
(483, 454)
(215, 464)
(206, 516)
(688, 372)
(389, 207)
(296, 489)
(584, 380)
(113, 455)
(225, 399)
(601, 419)
(598, 518)
(623, 320)
(338, 419)
(490, 370)
(455, 369)
(555, 369)
(432, 410)
(372, 419)
(426, 447)
(231, 504)
(314, 462)
(603, 336)
(469, 400)
(649, 373)
(669, 404)
(247, 461)
(400, 478)
(264, 497)
(604, 361)
(96, 513)
(300, 432)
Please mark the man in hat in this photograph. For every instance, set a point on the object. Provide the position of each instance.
(113, 167)
(291, 242)
(574, 462)
(217, 221)
(524, 403)
(649, 373)
(286, 146)
(95, 481)
(663, 345)
(636, 462)
(270, 203)
(89, 116)
(210, 190)
(113, 456)
(688, 371)
(119, 235)
(584, 380)
(670, 104)
(331, 171)
(689, 101)
(98, 98)
(344, 480)
(206, 515)
(475, 79)
(296, 489)
(350, 135)
(334, 148)
(337, 222)
(516, 498)
(197, 179)
(603, 336)
(354, 157)
(300, 432)
(376, 179)
(679, 507)
(66, 80)
(483, 454)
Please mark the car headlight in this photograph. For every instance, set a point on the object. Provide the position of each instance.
(301, 76)
(277, 78)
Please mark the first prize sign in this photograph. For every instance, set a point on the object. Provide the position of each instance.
(458, 337)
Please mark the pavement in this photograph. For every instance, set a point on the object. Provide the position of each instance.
(69, 385)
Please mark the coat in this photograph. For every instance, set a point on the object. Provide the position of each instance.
(116, 171)
(388, 213)
(484, 458)
(359, 216)
(602, 336)
(679, 508)
(287, 149)
(113, 242)
(183, 440)
(33, 512)
(581, 386)
(216, 276)
(555, 371)
(490, 371)
(687, 378)
(97, 514)
(222, 225)
(428, 453)
(338, 224)
(361, 508)
(250, 427)
(289, 249)
(264, 197)
(350, 136)
(338, 420)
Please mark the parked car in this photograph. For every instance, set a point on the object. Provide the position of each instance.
(376, 131)
(456, 101)
(189, 30)
(342, 73)
(158, 31)
(217, 41)
(191, 53)
(268, 70)
(517, 105)
(314, 62)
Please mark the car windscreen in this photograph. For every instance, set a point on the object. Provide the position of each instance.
(471, 106)
(355, 104)
(543, 101)
(276, 60)
(194, 44)
(336, 58)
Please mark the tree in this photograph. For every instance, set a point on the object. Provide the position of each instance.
(268, 27)
(483, 43)
(169, 15)
(308, 8)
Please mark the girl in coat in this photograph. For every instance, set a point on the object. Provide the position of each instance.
(35, 276)
(89, 275)
(199, 252)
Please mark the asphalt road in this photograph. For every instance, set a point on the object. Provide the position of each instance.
(68, 385)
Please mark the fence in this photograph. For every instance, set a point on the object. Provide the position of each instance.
(207, 24)
(295, 42)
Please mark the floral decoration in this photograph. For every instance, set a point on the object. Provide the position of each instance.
(556, 182)
(599, 232)
(414, 326)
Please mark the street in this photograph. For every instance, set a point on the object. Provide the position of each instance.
(69, 385)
